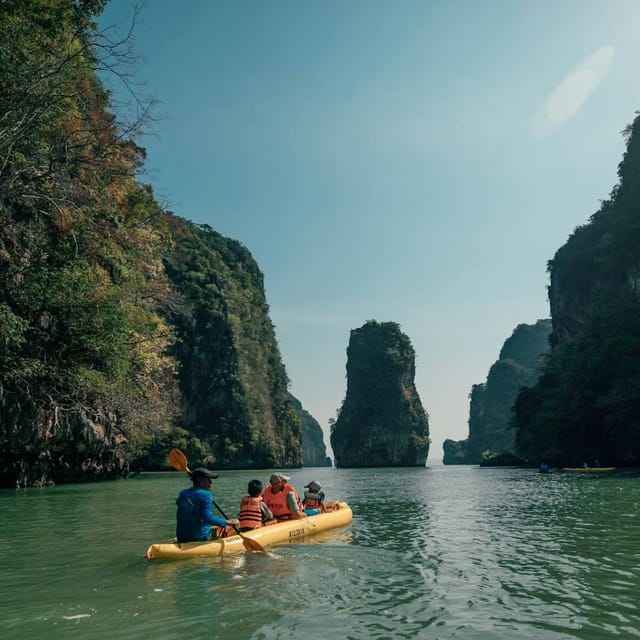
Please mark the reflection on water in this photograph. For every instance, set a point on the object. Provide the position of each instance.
(431, 553)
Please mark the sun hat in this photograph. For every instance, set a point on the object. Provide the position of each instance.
(278, 477)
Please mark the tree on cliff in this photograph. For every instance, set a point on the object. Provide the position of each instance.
(237, 411)
(82, 363)
(123, 329)
(587, 402)
(382, 421)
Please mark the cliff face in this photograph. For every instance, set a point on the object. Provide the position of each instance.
(83, 368)
(595, 276)
(455, 451)
(587, 402)
(475, 440)
(491, 402)
(124, 330)
(527, 344)
(382, 421)
(234, 386)
(314, 450)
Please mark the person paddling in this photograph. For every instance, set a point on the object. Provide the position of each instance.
(195, 518)
(282, 498)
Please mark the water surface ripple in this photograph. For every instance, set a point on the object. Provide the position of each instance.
(442, 552)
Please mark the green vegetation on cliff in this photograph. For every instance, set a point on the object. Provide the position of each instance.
(82, 346)
(382, 421)
(123, 329)
(587, 402)
(491, 402)
(233, 382)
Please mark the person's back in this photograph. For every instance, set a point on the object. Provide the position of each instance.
(195, 517)
(190, 522)
(254, 513)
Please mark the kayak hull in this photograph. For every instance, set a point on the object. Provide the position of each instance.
(283, 532)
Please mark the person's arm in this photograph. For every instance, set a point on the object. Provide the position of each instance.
(207, 512)
(267, 514)
(292, 505)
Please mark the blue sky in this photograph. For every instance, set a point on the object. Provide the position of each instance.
(408, 161)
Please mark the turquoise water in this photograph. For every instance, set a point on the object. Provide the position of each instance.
(441, 552)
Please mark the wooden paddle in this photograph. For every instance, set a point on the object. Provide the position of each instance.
(178, 461)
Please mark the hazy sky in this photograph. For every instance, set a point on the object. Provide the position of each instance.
(408, 161)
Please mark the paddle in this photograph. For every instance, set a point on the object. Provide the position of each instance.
(178, 461)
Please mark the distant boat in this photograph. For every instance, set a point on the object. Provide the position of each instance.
(588, 469)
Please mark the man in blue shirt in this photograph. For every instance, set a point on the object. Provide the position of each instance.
(195, 518)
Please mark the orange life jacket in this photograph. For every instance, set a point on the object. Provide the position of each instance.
(277, 502)
(250, 515)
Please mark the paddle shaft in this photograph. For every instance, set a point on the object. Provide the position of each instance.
(179, 461)
(251, 545)
(217, 506)
(224, 515)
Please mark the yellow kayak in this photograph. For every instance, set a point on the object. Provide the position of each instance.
(588, 469)
(283, 532)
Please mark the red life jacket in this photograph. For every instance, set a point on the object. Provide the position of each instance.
(250, 515)
(277, 502)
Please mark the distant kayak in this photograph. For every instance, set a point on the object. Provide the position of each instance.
(588, 469)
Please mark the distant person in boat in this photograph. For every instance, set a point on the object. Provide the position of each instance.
(585, 465)
(543, 468)
(313, 501)
(596, 464)
(254, 512)
(282, 498)
(195, 520)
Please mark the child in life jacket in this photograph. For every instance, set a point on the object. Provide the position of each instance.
(313, 501)
(254, 512)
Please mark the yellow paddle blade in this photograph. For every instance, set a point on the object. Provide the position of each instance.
(251, 545)
(178, 460)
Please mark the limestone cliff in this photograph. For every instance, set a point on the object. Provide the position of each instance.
(124, 330)
(455, 451)
(491, 402)
(314, 450)
(236, 407)
(382, 421)
(587, 402)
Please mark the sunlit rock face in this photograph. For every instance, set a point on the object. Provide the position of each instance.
(382, 422)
